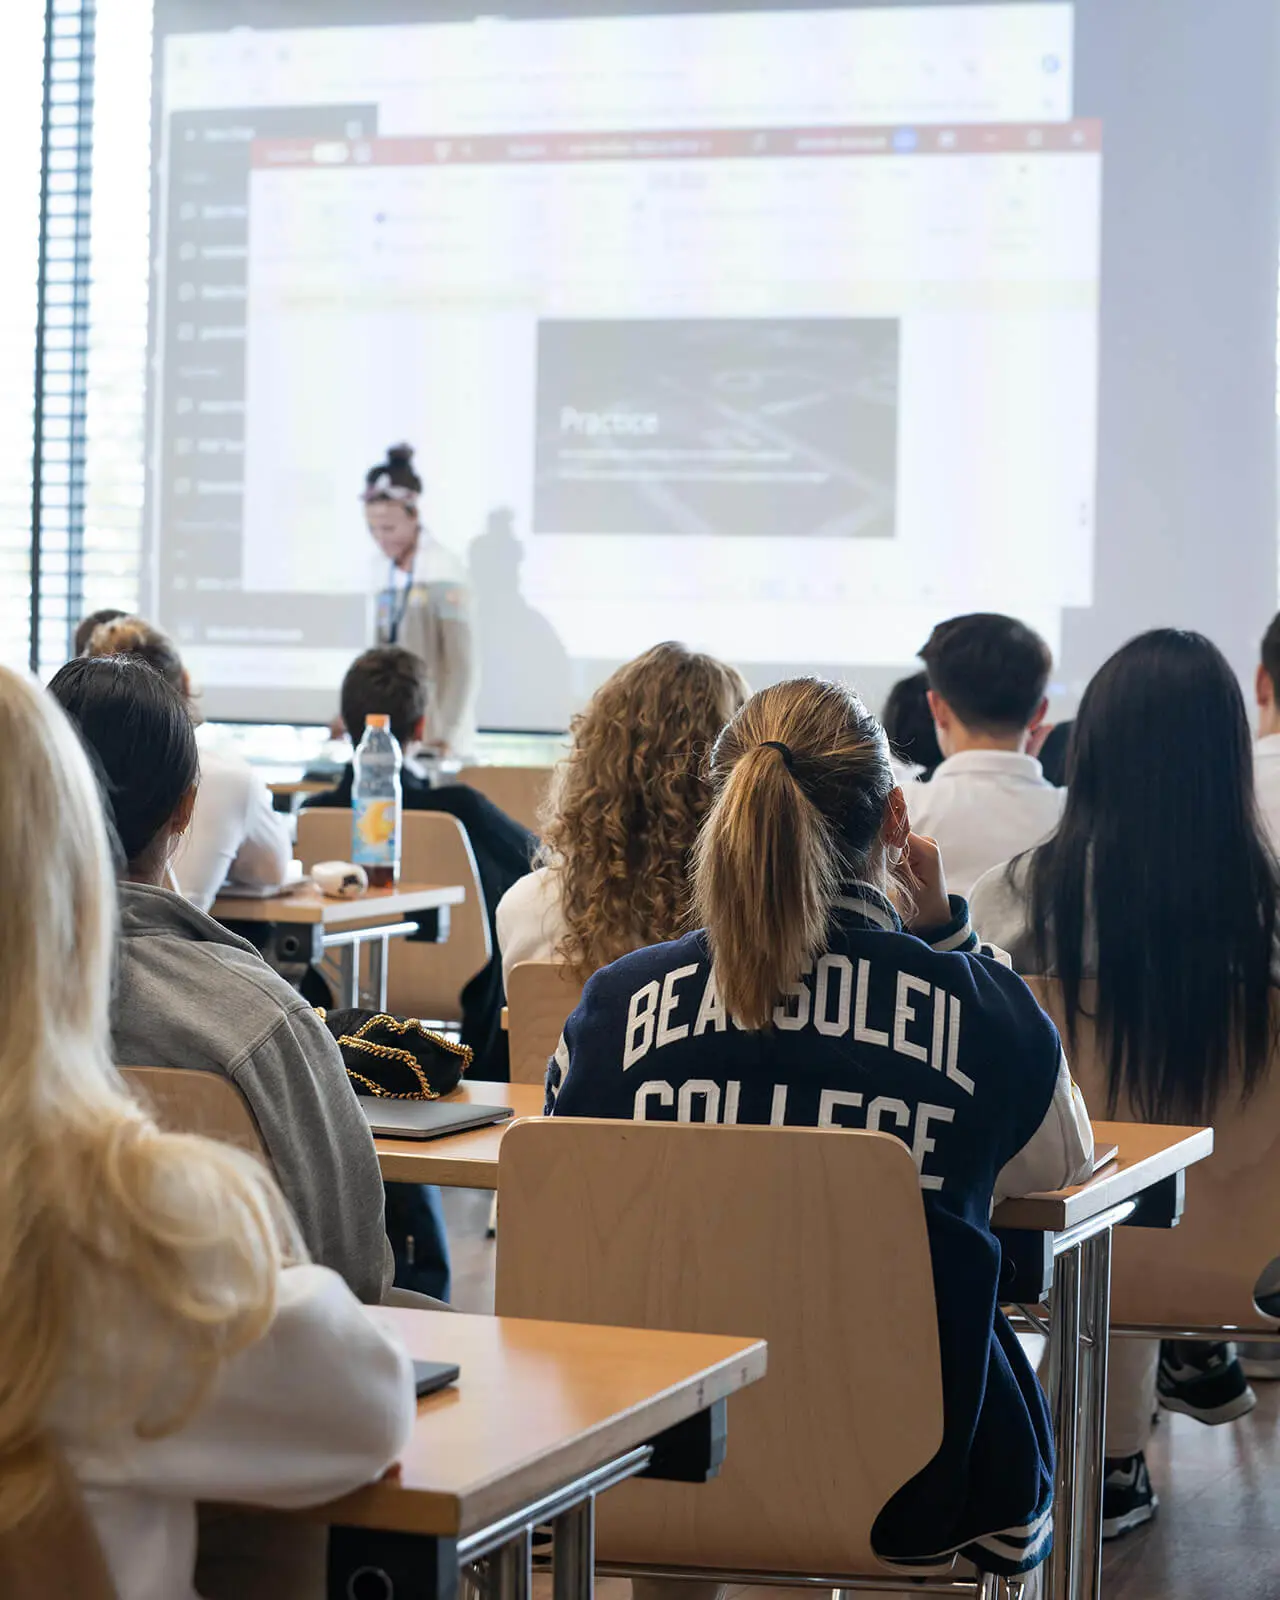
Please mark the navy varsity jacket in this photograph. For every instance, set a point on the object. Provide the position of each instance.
(937, 1043)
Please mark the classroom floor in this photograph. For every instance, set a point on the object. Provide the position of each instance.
(1218, 1528)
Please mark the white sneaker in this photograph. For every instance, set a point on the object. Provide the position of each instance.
(1261, 1361)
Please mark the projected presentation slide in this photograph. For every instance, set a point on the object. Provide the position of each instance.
(731, 426)
(771, 331)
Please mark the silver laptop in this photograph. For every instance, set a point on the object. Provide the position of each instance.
(426, 1119)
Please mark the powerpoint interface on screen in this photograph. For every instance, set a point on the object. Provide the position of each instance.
(775, 332)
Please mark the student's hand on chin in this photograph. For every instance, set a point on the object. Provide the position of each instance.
(922, 864)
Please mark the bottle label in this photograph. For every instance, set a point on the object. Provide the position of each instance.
(375, 832)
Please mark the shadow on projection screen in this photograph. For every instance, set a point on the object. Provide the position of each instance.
(775, 331)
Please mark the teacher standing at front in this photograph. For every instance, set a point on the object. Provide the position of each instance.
(424, 604)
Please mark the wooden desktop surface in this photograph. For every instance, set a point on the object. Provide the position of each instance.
(307, 904)
(1148, 1153)
(292, 786)
(538, 1404)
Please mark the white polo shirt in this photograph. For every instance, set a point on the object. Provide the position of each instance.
(983, 807)
(1266, 781)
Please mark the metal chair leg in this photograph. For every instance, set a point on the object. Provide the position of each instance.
(997, 1588)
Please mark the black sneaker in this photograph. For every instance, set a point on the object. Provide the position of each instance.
(1206, 1381)
(1128, 1500)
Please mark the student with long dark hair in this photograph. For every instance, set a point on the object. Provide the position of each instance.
(189, 994)
(234, 833)
(805, 1000)
(1160, 889)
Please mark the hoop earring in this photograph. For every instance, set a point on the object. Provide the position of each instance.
(894, 854)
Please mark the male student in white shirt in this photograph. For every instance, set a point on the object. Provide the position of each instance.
(989, 800)
(1266, 752)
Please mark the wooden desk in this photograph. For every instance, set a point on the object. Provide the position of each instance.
(306, 904)
(294, 930)
(287, 794)
(460, 1160)
(1059, 1245)
(545, 1415)
(1147, 1156)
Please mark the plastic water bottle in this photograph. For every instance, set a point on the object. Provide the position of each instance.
(376, 803)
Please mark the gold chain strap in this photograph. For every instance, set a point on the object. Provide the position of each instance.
(357, 1042)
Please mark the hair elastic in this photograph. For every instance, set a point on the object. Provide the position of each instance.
(784, 750)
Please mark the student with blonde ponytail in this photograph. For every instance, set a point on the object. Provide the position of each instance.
(803, 999)
(159, 1327)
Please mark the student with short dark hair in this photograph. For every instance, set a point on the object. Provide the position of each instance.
(1266, 750)
(1160, 888)
(804, 1000)
(190, 994)
(394, 682)
(989, 799)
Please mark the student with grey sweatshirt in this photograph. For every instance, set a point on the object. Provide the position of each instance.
(190, 994)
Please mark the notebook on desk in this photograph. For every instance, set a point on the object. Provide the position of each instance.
(1103, 1153)
(426, 1119)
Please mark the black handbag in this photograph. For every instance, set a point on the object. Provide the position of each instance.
(396, 1058)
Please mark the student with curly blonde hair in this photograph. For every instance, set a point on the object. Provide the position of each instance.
(619, 828)
(159, 1328)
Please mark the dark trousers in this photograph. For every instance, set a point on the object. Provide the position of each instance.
(415, 1227)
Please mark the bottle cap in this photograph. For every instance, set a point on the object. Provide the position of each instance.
(377, 719)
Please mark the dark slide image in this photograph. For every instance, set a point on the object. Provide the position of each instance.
(782, 426)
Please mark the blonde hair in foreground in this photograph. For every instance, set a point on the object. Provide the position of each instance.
(132, 1262)
(621, 822)
(787, 827)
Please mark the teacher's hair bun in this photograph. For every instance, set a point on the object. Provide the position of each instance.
(400, 455)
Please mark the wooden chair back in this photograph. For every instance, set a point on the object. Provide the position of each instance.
(519, 791)
(540, 997)
(1200, 1274)
(187, 1101)
(423, 980)
(811, 1239)
(55, 1555)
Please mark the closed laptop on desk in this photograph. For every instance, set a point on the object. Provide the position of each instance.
(426, 1119)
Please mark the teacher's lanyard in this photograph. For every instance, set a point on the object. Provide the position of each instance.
(398, 601)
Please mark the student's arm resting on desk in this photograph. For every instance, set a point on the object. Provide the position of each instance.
(320, 1147)
(321, 1405)
(1060, 1151)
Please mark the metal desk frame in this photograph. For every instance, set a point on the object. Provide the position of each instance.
(368, 1564)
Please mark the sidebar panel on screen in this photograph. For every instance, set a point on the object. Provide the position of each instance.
(196, 551)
